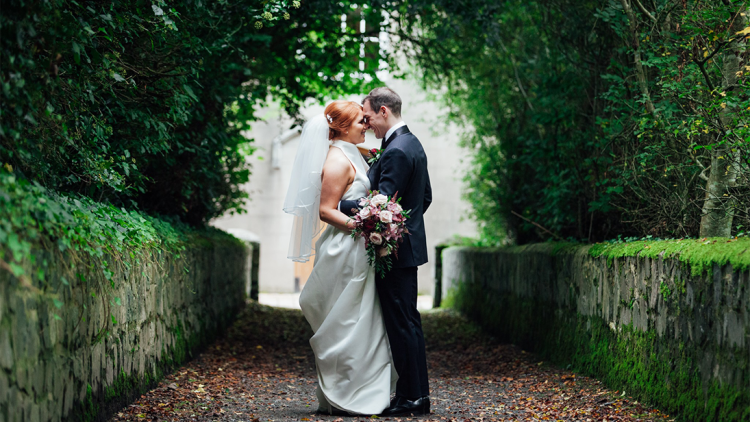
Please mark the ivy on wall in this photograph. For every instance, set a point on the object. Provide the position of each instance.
(34, 219)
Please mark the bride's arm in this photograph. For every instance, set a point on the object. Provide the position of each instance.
(337, 175)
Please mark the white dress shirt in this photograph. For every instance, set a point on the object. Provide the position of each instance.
(393, 129)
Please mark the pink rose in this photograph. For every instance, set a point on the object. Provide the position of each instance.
(365, 212)
(379, 200)
(386, 216)
(376, 238)
(394, 208)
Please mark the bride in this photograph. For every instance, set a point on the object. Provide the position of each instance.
(352, 355)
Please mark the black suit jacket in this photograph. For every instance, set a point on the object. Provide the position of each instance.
(402, 169)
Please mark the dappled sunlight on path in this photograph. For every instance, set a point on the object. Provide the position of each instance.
(263, 370)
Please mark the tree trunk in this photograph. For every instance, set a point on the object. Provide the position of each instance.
(718, 208)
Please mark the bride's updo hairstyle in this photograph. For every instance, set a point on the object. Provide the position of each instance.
(340, 115)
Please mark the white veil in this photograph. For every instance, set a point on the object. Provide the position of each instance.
(303, 197)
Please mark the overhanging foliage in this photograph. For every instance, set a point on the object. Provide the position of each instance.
(142, 104)
(591, 119)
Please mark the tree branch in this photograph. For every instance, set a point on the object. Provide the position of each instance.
(640, 73)
(701, 66)
(518, 78)
(646, 12)
(536, 224)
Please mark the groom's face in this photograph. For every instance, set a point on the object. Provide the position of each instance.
(375, 120)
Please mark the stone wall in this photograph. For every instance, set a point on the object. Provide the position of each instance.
(79, 347)
(646, 326)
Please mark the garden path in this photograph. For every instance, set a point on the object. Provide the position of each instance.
(263, 370)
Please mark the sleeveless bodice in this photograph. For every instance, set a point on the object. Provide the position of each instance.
(361, 185)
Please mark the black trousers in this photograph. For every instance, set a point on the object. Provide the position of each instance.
(398, 300)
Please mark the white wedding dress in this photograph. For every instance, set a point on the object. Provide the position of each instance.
(339, 300)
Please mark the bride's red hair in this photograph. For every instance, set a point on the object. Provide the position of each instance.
(341, 115)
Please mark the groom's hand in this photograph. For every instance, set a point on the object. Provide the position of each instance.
(348, 207)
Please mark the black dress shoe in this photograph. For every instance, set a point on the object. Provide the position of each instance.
(401, 406)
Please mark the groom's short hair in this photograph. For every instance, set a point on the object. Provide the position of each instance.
(384, 96)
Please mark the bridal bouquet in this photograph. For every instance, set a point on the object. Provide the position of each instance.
(382, 223)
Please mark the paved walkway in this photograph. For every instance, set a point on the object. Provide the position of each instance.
(263, 370)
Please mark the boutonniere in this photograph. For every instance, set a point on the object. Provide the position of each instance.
(374, 156)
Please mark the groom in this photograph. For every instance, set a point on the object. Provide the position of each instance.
(402, 170)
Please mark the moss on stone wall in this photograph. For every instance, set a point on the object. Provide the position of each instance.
(700, 254)
(667, 321)
(128, 387)
(627, 359)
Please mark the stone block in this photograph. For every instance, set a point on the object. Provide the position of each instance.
(78, 362)
(14, 405)
(97, 356)
(82, 391)
(34, 413)
(127, 361)
(56, 409)
(36, 376)
(4, 387)
(86, 359)
(6, 348)
(109, 370)
(21, 374)
(734, 331)
(19, 330)
(44, 411)
(49, 373)
(68, 397)
(141, 359)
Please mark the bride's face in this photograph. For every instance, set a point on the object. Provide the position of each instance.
(357, 130)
